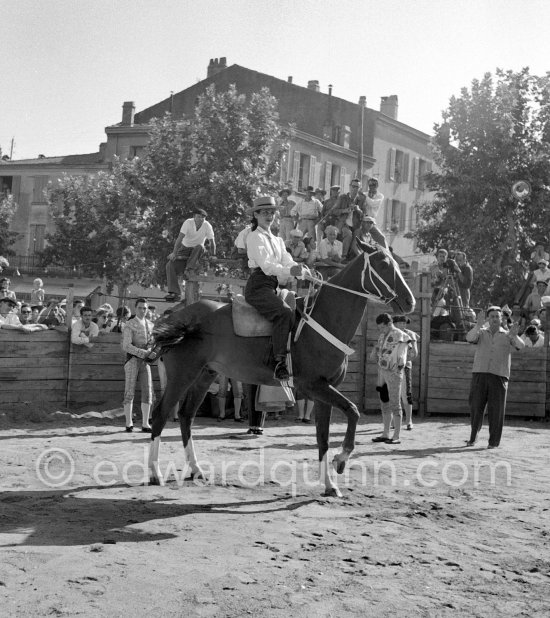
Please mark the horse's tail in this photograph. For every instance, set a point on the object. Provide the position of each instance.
(173, 329)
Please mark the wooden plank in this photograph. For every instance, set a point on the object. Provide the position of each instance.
(51, 349)
(20, 396)
(453, 406)
(31, 362)
(10, 336)
(19, 375)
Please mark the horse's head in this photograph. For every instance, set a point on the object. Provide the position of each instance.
(382, 277)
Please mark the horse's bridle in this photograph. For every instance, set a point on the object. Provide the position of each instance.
(374, 277)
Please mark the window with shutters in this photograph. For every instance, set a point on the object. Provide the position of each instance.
(313, 179)
(398, 165)
(395, 216)
(422, 169)
(303, 173)
(391, 164)
(36, 240)
(296, 170)
(6, 183)
(414, 218)
(328, 175)
(335, 176)
(136, 151)
(40, 185)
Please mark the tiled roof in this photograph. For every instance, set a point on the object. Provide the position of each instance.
(76, 159)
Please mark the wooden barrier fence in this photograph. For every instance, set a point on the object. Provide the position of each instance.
(45, 367)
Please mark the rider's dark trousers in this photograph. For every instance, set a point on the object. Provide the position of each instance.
(261, 293)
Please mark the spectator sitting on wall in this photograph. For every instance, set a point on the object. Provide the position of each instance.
(295, 246)
(52, 315)
(5, 291)
(533, 303)
(25, 314)
(464, 276)
(373, 199)
(328, 217)
(77, 307)
(542, 273)
(532, 337)
(37, 292)
(122, 316)
(35, 313)
(9, 319)
(329, 253)
(188, 249)
(104, 321)
(287, 221)
(538, 254)
(84, 330)
(308, 212)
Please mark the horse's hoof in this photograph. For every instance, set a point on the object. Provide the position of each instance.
(333, 492)
(339, 464)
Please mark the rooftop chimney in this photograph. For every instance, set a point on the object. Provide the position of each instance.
(128, 109)
(389, 105)
(215, 66)
(289, 79)
(330, 90)
(313, 84)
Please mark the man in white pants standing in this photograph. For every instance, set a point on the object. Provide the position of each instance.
(136, 342)
(400, 321)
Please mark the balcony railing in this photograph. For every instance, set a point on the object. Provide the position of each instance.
(30, 265)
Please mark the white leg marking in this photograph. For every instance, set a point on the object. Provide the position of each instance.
(191, 457)
(155, 476)
(326, 475)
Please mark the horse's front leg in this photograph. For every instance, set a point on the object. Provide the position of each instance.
(322, 425)
(188, 409)
(159, 417)
(326, 397)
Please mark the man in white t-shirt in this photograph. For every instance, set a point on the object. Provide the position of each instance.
(188, 249)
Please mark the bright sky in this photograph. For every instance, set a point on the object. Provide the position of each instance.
(68, 65)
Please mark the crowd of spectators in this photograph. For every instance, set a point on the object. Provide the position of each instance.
(452, 278)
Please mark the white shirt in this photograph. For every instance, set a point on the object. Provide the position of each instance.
(80, 335)
(539, 343)
(308, 210)
(269, 253)
(10, 319)
(373, 204)
(192, 236)
(542, 276)
(240, 241)
(327, 251)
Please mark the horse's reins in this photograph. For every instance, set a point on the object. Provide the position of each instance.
(366, 294)
(306, 316)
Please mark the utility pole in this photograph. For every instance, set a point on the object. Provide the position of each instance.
(361, 132)
(11, 148)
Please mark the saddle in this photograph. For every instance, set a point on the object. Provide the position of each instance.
(247, 322)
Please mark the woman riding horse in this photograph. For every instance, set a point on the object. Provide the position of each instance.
(199, 340)
(270, 264)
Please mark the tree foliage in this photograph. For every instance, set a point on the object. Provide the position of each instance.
(128, 219)
(495, 133)
(7, 212)
(100, 225)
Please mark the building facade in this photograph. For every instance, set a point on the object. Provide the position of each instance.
(332, 142)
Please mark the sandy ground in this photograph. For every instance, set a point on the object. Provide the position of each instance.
(425, 528)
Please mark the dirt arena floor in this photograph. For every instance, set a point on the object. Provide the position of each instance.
(425, 528)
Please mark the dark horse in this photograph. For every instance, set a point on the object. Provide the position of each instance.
(206, 344)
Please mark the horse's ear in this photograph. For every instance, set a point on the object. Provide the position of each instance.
(378, 237)
(363, 245)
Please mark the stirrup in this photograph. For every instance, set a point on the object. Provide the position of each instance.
(281, 371)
